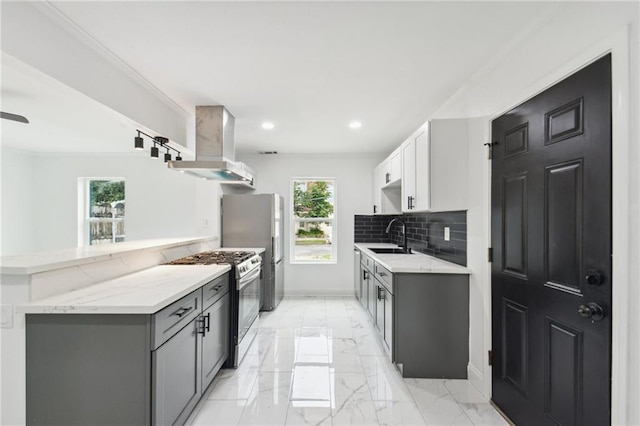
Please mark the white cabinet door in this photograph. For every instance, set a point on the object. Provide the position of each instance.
(395, 166)
(422, 201)
(449, 150)
(378, 176)
(416, 173)
(408, 175)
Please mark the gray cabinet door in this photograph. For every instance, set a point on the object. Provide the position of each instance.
(215, 342)
(372, 296)
(364, 291)
(176, 385)
(388, 323)
(379, 319)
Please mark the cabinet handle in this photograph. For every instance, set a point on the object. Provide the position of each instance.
(410, 203)
(365, 275)
(387, 177)
(180, 312)
(380, 293)
(375, 209)
(382, 274)
(208, 321)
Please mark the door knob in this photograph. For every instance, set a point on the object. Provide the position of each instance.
(591, 310)
(593, 277)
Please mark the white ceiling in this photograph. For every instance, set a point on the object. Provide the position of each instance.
(308, 67)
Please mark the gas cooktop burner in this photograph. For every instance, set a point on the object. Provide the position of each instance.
(214, 257)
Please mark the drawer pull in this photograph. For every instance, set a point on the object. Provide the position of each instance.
(180, 312)
(382, 274)
(216, 288)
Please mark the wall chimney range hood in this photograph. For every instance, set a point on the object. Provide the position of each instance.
(215, 150)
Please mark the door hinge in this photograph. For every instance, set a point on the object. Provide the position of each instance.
(490, 357)
(490, 254)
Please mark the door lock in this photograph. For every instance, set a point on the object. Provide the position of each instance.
(593, 277)
(591, 310)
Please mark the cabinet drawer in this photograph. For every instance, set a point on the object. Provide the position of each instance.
(214, 290)
(174, 317)
(367, 262)
(384, 276)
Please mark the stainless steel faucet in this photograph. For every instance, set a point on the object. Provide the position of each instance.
(405, 248)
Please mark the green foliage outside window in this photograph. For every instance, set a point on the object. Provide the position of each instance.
(314, 201)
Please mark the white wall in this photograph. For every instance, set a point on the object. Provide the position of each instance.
(17, 213)
(40, 199)
(353, 174)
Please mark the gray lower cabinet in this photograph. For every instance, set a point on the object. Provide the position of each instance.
(176, 385)
(215, 341)
(126, 369)
(364, 291)
(379, 318)
(388, 322)
(431, 325)
(422, 319)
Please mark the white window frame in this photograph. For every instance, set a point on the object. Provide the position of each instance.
(333, 220)
(84, 218)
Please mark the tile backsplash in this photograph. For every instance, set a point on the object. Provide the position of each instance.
(425, 233)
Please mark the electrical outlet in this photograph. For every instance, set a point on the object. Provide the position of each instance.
(447, 233)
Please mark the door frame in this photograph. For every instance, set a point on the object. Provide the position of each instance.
(618, 45)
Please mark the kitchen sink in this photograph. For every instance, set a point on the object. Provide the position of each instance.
(388, 250)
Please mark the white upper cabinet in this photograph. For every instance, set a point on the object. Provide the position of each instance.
(387, 178)
(378, 181)
(434, 171)
(393, 172)
(415, 172)
(448, 175)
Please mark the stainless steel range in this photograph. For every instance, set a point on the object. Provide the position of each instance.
(244, 292)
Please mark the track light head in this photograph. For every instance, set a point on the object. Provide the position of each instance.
(138, 143)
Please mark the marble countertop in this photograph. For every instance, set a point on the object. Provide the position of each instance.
(47, 261)
(411, 263)
(144, 292)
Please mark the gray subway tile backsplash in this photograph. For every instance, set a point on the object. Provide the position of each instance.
(425, 233)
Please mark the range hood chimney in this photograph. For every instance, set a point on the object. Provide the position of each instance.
(215, 149)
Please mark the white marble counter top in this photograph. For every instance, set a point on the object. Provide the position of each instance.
(144, 292)
(410, 263)
(48, 261)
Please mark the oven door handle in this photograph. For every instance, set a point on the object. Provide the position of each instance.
(244, 281)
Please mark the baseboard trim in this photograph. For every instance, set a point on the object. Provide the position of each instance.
(476, 379)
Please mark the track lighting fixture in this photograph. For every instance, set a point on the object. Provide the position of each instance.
(139, 142)
(155, 151)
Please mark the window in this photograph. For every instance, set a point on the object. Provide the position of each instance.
(102, 202)
(313, 237)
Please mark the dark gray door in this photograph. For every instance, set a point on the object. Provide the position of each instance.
(551, 236)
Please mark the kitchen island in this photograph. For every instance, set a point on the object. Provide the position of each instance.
(32, 277)
(139, 349)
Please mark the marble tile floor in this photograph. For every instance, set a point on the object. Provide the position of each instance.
(318, 361)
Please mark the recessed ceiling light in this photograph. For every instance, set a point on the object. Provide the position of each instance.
(267, 125)
(355, 124)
